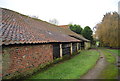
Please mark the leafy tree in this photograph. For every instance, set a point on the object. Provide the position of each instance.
(107, 31)
(76, 28)
(87, 33)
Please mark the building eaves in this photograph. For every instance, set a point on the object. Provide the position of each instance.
(65, 29)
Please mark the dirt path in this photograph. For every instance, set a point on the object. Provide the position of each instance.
(95, 72)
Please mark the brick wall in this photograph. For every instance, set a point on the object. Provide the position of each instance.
(21, 58)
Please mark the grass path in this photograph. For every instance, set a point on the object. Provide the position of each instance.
(96, 71)
(106, 66)
(111, 71)
(70, 69)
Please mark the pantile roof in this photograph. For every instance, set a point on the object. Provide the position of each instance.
(20, 29)
(66, 30)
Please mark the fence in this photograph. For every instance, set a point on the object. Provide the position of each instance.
(66, 49)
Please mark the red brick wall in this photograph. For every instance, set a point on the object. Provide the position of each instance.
(24, 57)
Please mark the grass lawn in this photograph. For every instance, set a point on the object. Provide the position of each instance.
(111, 71)
(109, 57)
(115, 51)
(70, 69)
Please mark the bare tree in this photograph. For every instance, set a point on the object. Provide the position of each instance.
(53, 21)
(107, 31)
(33, 16)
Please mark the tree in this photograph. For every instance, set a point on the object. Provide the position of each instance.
(33, 16)
(76, 28)
(107, 31)
(53, 21)
(87, 33)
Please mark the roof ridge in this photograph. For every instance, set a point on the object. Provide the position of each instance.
(28, 16)
(30, 31)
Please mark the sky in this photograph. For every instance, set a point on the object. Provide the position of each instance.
(81, 12)
(119, 7)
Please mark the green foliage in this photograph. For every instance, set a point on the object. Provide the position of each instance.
(70, 69)
(76, 28)
(87, 33)
(115, 51)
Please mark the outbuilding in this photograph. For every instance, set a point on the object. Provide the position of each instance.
(29, 43)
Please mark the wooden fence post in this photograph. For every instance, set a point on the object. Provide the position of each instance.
(80, 46)
(77, 47)
(71, 48)
(60, 50)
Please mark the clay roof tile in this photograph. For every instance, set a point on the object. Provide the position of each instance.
(18, 28)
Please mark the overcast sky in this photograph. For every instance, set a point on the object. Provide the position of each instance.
(82, 12)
